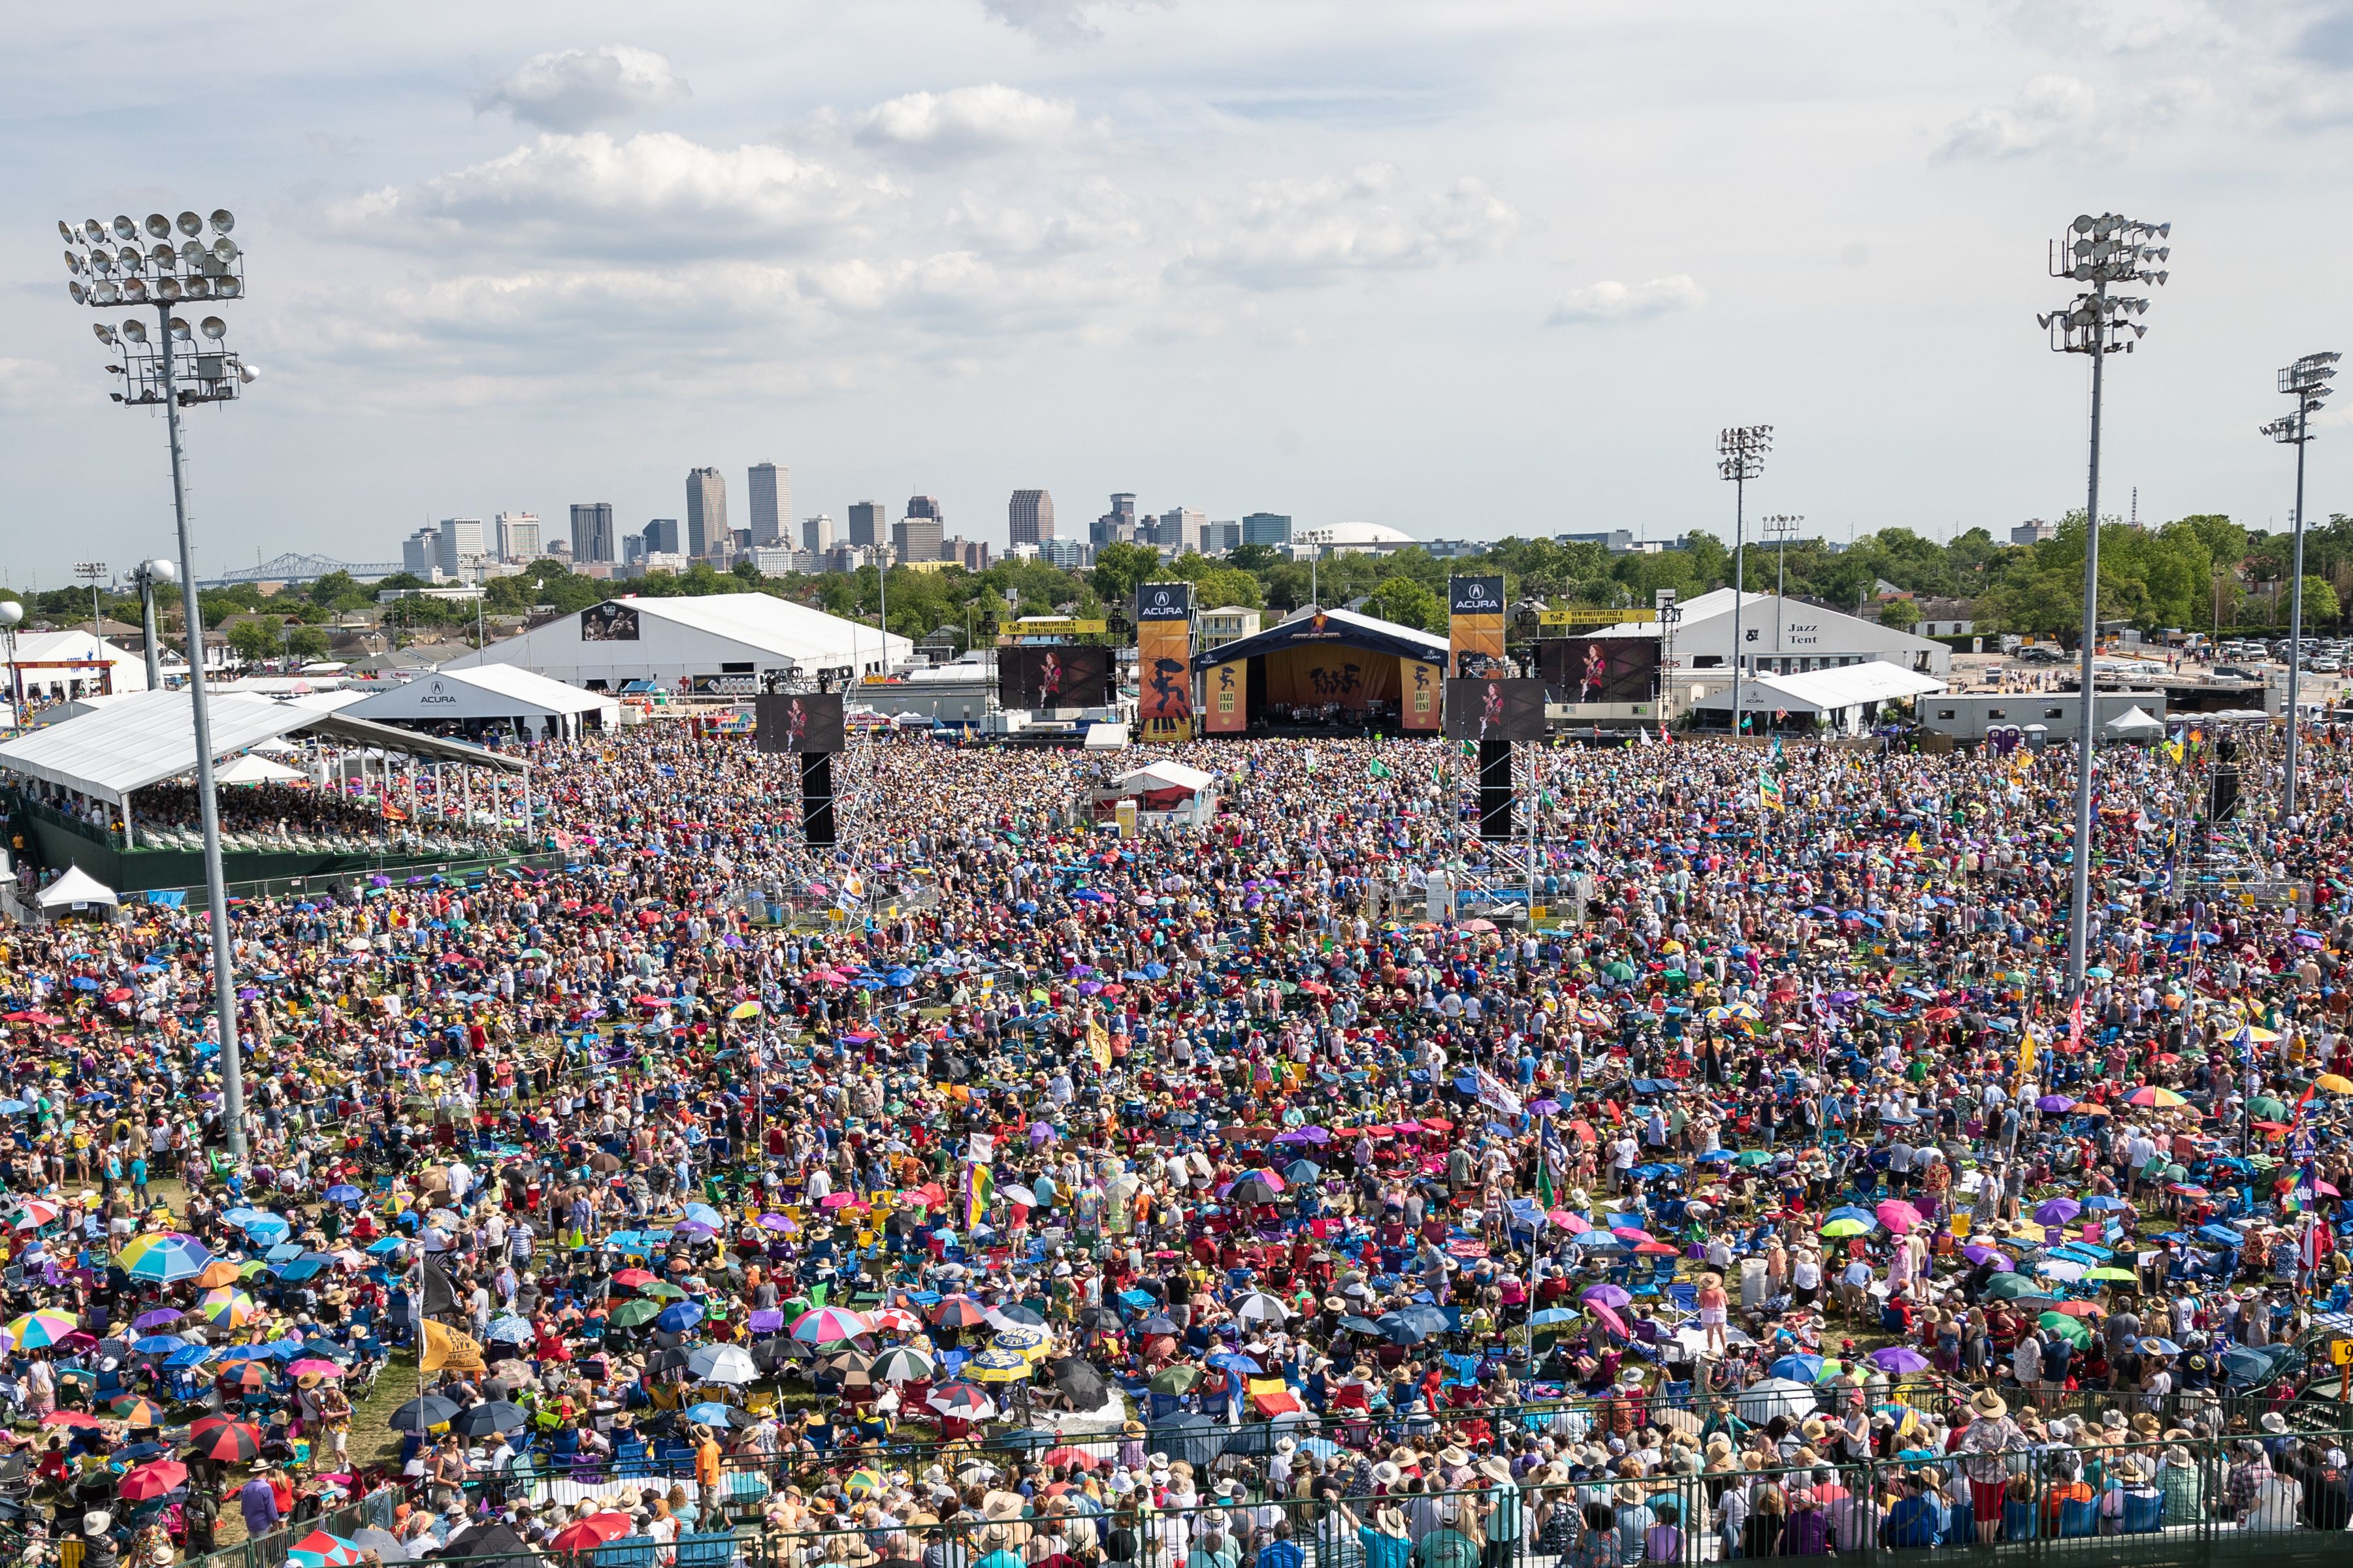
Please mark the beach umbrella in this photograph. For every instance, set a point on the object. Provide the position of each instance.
(1771, 1397)
(829, 1325)
(722, 1363)
(1179, 1377)
(422, 1413)
(2074, 1331)
(995, 1365)
(1848, 1226)
(1802, 1368)
(1259, 1307)
(629, 1315)
(163, 1258)
(134, 1411)
(1194, 1438)
(492, 1415)
(959, 1312)
(1899, 1360)
(590, 1533)
(965, 1401)
(219, 1272)
(678, 1317)
(231, 1442)
(2056, 1211)
(2151, 1095)
(1897, 1216)
(320, 1549)
(2011, 1286)
(149, 1481)
(41, 1329)
(227, 1308)
(902, 1363)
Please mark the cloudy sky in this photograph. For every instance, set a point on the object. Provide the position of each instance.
(1467, 269)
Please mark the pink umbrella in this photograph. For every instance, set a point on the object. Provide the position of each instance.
(1630, 1233)
(1897, 1216)
(1610, 1319)
(314, 1366)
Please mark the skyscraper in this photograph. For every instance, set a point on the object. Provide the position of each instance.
(916, 538)
(817, 533)
(1030, 516)
(706, 511)
(416, 551)
(1266, 528)
(868, 522)
(518, 536)
(772, 502)
(661, 535)
(459, 543)
(1179, 530)
(593, 538)
(1116, 526)
(926, 506)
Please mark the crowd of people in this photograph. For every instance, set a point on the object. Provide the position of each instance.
(992, 1187)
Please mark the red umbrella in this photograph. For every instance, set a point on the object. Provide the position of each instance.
(152, 1480)
(633, 1278)
(959, 1312)
(587, 1534)
(71, 1418)
(232, 1441)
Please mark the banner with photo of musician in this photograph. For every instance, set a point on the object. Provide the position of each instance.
(1053, 676)
(1600, 669)
(1164, 655)
(1495, 707)
(797, 723)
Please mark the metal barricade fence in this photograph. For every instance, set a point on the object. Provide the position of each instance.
(373, 1510)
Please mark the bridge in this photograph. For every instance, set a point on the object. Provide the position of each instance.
(293, 568)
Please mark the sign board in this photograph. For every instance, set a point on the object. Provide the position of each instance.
(1054, 626)
(1583, 617)
(1474, 623)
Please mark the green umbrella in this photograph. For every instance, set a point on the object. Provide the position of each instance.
(2074, 1331)
(2011, 1286)
(1178, 1379)
(1752, 1157)
(629, 1315)
(2266, 1108)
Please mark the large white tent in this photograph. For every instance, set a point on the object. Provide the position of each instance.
(498, 693)
(151, 737)
(719, 643)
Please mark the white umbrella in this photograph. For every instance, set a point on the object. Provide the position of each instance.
(722, 1363)
(1763, 1400)
(1258, 1306)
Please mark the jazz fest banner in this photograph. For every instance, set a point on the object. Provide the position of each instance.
(1474, 623)
(1225, 711)
(1164, 654)
(1424, 687)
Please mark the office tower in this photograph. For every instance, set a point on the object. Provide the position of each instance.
(591, 530)
(1069, 554)
(1116, 526)
(972, 554)
(518, 536)
(817, 533)
(1179, 530)
(706, 511)
(772, 502)
(1220, 537)
(926, 506)
(867, 522)
(916, 538)
(418, 550)
(660, 537)
(1266, 528)
(1030, 516)
(458, 543)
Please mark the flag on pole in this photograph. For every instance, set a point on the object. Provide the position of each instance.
(980, 1187)
(1768, 792)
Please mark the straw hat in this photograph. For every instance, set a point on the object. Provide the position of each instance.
(1986, 1403)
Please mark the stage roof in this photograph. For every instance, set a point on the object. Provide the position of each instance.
(1327, 628)
(151, 737)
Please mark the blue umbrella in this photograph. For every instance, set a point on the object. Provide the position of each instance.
(160, 1344)
(1797, 1368)
(678, 1317)
(189, 1355)
(344, 1193)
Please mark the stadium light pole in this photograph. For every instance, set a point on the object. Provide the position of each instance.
(2306, 381)
(114, 269)
(1780, 527)
(93, 573)
(1740, 452)
(150, 577)
(2100, 251)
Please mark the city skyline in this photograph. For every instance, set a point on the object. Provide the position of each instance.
(1448, 271)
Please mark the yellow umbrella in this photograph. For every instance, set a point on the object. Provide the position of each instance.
(998, 1366)
(743, 1010)
(2334, 1083)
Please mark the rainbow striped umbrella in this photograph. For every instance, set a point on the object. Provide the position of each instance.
(40, 1330)
(228, 1308)
(320, 1549)
(163, 1258)
(826, 1325)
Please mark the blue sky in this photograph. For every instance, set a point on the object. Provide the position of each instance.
(1466, 269)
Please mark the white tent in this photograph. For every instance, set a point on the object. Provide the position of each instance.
(1105, 737)
(1163, 776)
(253, 770)
(2136, 724)
(76, 887)
(499, 693)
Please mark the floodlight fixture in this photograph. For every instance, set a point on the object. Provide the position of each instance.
(1740, 454)
(2306, 381)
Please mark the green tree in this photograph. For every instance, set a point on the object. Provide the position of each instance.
(1899, 615)
(1409, 604)
(256, 640)
(306, 643)
(1118, 569)
(2320, 606)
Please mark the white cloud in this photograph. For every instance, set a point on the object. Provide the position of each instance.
(1097, 216)
(966, 121)
(1292, 232)
(571, 89)
(2064, 114)
(1611, 302)
(1054, 21)
(655, 192)
(31, 385)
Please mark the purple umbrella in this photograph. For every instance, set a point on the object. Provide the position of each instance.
(1041, 1134)
(2056, 1211)
(1979, 1253)
(1317, 1135)
(1612, 1296)
(1899, 1360)
(2053, 1102)
(766, 1320)
(155, 1319)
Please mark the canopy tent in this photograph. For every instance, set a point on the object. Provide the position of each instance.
(500, 692)
(250, 769)
(151, 737)
(1105, 737)
(1313, 627)
(1163, 776)
(76, 887)
(2136, 724)
(1317, 664)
